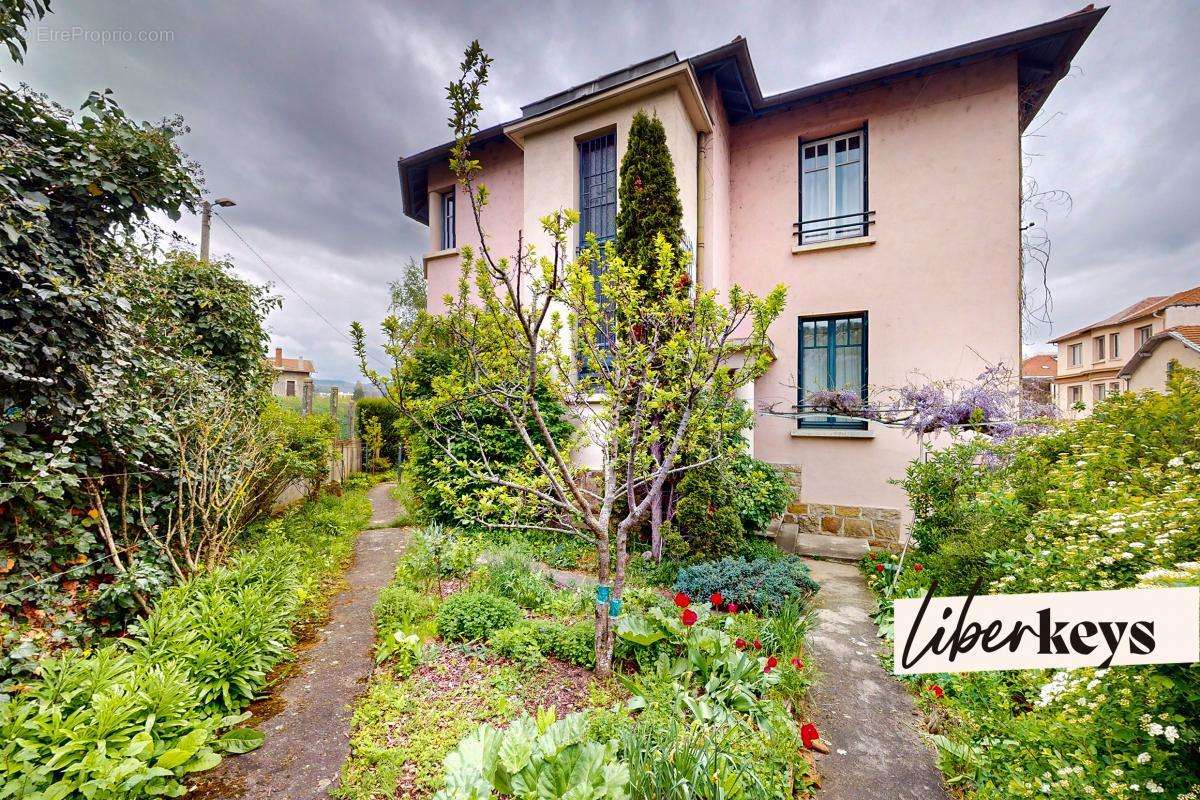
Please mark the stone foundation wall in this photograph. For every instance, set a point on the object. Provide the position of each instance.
(879, 526)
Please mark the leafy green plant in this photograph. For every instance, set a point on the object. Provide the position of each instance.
(542, 759)
(761, 584)
(760, 492)
(522, 643)
(510, 574)
(400, 607)
(475, 616)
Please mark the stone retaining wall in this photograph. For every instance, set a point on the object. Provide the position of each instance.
(879, 526)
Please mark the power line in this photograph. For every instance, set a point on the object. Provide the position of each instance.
(285, 282)
(68, 571)
(83, 477)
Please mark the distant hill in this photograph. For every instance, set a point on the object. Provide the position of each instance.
(322, 385)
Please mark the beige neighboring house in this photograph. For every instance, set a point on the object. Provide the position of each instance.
(887, 201)
(290, 374)
(1091, 359)
(1150, 365)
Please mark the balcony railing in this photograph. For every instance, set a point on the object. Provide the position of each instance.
(828, 229)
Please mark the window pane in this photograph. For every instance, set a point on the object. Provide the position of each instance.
(816, 371)
(822, 337)
(849, 368)
(856, 330)
(810, 334)
(849, 199)
(815, 194)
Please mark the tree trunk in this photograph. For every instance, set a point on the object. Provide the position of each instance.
(656, 513)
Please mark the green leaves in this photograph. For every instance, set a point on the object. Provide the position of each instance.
(558, 763)
(241, 740)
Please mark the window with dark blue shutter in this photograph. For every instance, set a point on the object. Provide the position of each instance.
(833, 357)
(597, 206)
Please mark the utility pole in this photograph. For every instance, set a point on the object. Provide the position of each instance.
(206, 222)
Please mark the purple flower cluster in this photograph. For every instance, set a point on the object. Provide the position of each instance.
(836, 401)
(992, 405)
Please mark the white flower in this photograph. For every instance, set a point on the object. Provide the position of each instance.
(1177, 461)
(1153, 787)
(1143, 758)
(1171, 733)
(1155, 729)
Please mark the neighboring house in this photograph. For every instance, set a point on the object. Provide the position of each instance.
(1091, 358)
(1150, 365)
(888, 202)
(290, 374)
(1037, 378)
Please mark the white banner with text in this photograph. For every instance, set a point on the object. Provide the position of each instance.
(1061, 630)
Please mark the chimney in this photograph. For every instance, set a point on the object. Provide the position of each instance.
(279, 356)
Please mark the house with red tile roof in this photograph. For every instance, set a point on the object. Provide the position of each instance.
(1149, 367)
(1092, 360)
(290, 374)
(1037, 377)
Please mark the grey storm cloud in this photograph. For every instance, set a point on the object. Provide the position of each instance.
(299, 110)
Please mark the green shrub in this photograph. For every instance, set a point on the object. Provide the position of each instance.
(474, 616)
(385, 413)
(437, 552)
(704, 513)
(522, 643)
(760, 492)
(400, 607)
(760, 585)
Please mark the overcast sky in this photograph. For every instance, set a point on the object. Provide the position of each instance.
(299, 110)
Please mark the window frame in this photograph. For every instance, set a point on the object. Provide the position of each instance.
(449, 219)
(289, 389)
(831, 423)
(585, 211)
(1099, 393)
(1075, 354)
(1075, 393)
(1143, 334)
(1098, 348)
(1114, 345)
(866, 213)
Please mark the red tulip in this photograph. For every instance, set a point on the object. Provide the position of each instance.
(682, 600)
(938, 692)
(731, 608)
(918, 567)
(772, 662)
(688, 617)
(797, 663)
(809, 734)
(879, 567)
(757, 644)
(716, 599)
(740, 644)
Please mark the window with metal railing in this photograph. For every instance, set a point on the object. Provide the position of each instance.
(833, 189)
(597, 211)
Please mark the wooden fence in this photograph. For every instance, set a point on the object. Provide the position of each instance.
(347, 453)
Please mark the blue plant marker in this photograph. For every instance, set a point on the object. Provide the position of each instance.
(614, 607)
(602, 593)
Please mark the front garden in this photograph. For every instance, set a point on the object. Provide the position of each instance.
(485, 684)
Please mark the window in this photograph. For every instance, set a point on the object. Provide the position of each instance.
(1076, 394)
(1114, 345)
(1142, 334)
(598, 188)
(833, 188)
(1098, 348)
(1076, 355)
(1098, 392)
(833, 356)
(1114, 388)
(448, 230)
(291, 389)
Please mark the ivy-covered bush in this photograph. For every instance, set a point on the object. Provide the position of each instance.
(1106, 502)
(705, 514)
(475, 616)
(761, 585)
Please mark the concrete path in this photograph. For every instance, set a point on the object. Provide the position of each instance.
(868, 719)
(308, 740)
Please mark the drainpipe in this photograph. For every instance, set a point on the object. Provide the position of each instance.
(700, 156)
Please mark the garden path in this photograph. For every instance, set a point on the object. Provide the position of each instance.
(868, 719)
(308, 733)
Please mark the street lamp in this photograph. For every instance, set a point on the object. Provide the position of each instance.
(206, 220)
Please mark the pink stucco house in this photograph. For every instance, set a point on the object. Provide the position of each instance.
(887, 201)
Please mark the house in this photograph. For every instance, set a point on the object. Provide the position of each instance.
(1091, 359)
(1037, 378)
(290, 374)
(888, 202)
(1175, 347)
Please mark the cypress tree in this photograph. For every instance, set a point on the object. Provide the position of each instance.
(648, 196)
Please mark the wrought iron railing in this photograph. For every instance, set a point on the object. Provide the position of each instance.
(853, 224)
